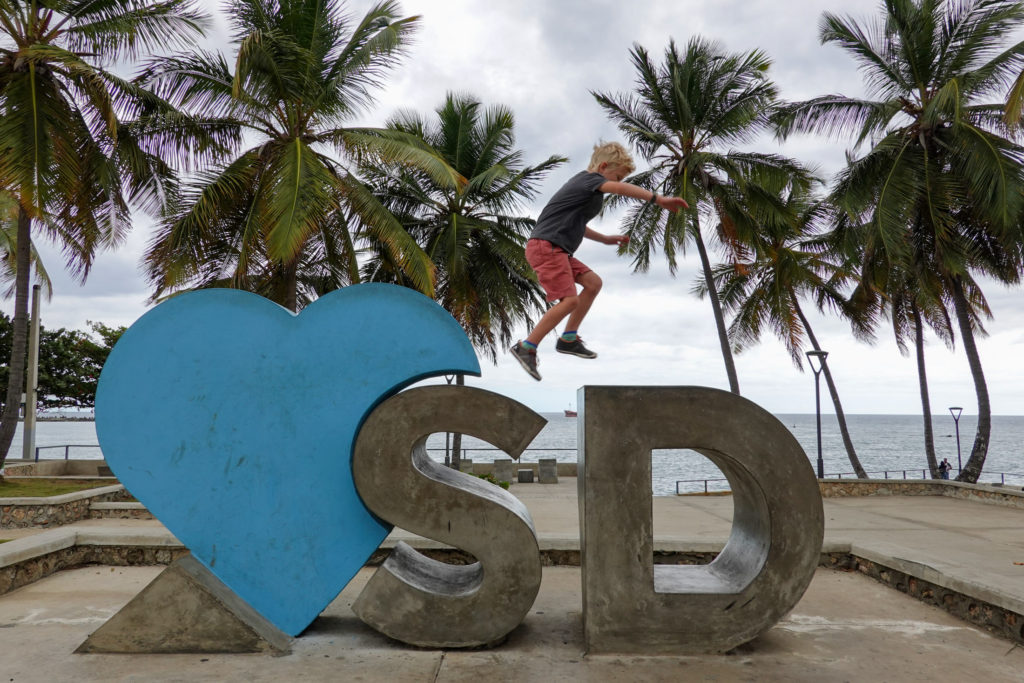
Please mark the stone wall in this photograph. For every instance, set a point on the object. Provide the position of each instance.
(982, 493)
(998, 620)
(25, 572)
(119, 510)
(16, 513)
(56, 468)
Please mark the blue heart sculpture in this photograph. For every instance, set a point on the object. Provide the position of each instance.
(233, 421)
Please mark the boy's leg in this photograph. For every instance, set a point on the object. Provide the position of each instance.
(556, 276)
(552, 317)
(591, 283)
(569, 342)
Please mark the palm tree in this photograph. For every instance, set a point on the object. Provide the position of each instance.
(683, 116)
(765, 291)
(65, 154)
(279, 213)
(473, 232)
(911, 295)
(9, 250)
(943, 180)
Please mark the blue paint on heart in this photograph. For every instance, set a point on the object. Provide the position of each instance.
(233, 421)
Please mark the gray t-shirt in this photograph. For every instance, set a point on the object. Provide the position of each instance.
(563, 221)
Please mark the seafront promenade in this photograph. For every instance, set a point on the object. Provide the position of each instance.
(963, 554)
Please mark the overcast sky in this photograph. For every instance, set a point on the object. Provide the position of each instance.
(542, 59)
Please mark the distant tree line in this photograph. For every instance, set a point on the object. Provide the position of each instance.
(70, 362)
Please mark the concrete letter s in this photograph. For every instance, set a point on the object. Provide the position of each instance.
(421, 601)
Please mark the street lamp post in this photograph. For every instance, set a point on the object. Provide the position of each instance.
(955, 412)
(820, 357)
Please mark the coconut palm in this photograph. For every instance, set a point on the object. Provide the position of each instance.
(473, 232)
(764, 291)
(943, 179)
(684, 116)
(9, 250)
(65, 153)
(910, 295)
(1015, 103)
(280, 214)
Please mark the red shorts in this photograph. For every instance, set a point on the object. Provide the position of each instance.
(556, 270)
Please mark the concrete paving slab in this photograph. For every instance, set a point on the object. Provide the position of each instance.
(846, 628)
(967, 544)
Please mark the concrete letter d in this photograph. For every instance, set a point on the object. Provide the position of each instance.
(631, 605)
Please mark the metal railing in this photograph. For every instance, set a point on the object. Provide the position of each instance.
(67, 448)
(491, 448)
(839, 475)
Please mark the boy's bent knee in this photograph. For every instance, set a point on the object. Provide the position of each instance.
(570, 303)
(591, 282)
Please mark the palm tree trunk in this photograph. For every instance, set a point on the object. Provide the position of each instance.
(460, 380)
(716, 308)
(840, 415)
(972, 470)
(926, 404)
(19, 334)
(291, 276)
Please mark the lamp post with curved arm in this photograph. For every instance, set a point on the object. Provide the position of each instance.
(818, 356)
(955, 412)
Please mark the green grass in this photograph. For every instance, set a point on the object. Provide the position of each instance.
(42, 488)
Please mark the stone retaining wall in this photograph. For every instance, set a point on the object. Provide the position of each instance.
(982, 493)
(25, 572)
(55, 468)
(994, 619)
(119, 510)
(16, 513)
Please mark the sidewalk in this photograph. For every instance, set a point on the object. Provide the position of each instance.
(847, 627)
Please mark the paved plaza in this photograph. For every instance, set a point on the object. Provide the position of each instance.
(847, 627)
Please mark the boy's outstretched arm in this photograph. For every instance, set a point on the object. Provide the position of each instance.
(672, 204)
(592, 234)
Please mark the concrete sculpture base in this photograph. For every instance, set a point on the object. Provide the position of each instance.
(186, 609)
(632, 606)
(424, 602)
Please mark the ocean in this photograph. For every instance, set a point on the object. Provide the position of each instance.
(892, 443)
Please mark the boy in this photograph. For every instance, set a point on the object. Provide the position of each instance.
(560, 229)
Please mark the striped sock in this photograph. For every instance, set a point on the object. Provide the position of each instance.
(528, 345)
(569, 336)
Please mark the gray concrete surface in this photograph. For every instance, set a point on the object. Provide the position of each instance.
(846, 628)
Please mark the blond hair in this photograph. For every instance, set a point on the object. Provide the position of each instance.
(613, 154)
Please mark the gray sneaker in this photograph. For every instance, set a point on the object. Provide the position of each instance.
(526, 358)
(574, 348)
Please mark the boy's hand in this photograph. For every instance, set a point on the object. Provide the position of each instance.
(618, 240)
(672, 204)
